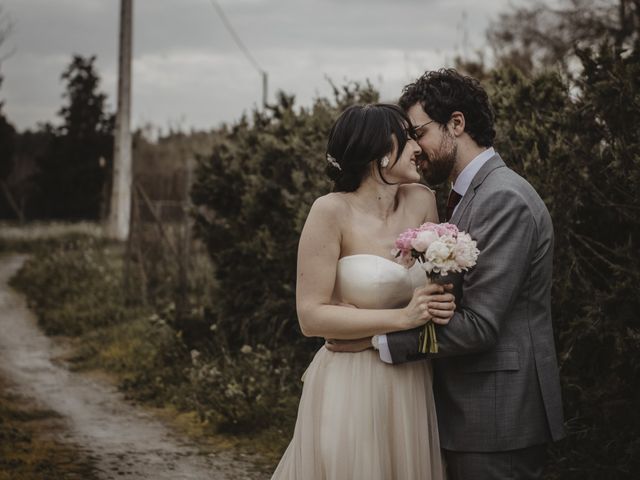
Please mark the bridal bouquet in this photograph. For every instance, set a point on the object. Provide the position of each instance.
(441, 249)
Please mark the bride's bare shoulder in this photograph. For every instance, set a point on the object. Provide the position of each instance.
(331, 202)
(420, 199)
(417, 191)
(332, 205)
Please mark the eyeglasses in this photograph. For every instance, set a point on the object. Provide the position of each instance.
(417, 127)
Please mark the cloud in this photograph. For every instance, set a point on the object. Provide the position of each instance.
(186, 65)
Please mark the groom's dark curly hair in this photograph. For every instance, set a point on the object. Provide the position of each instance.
(442, 92)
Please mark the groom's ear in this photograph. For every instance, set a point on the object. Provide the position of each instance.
(457, 123)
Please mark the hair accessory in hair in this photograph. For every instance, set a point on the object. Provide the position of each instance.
(384, 161)
(333, 162)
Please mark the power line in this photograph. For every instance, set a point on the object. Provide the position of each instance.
(236, 37)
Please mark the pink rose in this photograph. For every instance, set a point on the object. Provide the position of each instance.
(403, 242)
(447, 229)
(427, 226)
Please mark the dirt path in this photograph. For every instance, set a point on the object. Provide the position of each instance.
(123, 441)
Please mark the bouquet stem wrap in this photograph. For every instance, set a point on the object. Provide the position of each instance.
(428, 337)
(440, 249)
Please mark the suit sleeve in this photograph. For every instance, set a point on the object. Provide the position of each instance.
(505, 230)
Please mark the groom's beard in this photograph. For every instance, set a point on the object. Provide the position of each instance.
(437, 168)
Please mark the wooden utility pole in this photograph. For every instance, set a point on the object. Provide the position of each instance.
(264, 89)
(120, 211)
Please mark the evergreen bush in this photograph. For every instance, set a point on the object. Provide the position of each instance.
(578, 145)
(252, 197)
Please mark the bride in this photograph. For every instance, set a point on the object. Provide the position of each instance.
(360, 418)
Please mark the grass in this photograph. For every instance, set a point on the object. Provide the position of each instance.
(143, 358)
(39, 236)
(28, 447)
(42, 231)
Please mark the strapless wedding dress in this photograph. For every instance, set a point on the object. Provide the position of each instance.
(359, 418)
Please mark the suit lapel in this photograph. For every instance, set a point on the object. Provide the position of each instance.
(491, 164)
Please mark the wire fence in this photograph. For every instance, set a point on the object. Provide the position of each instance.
(161, 250)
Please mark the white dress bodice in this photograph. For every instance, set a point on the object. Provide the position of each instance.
(371, 281)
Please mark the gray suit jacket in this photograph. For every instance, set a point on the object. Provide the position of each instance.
(496, 382)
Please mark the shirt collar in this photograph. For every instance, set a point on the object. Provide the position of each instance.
(465, 178)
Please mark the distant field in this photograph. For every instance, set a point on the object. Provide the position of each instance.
(12, 231)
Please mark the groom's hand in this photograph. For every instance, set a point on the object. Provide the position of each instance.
(349, 346)
(442, 307)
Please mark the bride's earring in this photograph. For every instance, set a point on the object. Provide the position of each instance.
(384, 162)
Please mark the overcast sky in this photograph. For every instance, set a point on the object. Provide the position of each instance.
(188, 71)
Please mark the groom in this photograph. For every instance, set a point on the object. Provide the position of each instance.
(496, 382)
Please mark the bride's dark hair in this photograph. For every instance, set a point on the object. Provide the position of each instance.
(363, 134)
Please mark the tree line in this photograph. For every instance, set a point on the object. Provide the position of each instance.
(61, 171)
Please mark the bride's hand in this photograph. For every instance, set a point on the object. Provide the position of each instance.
(430, 302)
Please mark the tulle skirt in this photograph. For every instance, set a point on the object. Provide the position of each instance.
(360, 418)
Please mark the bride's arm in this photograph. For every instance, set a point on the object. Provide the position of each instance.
(318, 254)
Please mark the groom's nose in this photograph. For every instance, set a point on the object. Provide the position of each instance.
(421, 160)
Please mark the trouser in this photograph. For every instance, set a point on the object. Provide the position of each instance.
(523, 464)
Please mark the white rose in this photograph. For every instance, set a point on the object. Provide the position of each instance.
(423, 240)
(427, 266)
(438, 252)
(466, 253)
